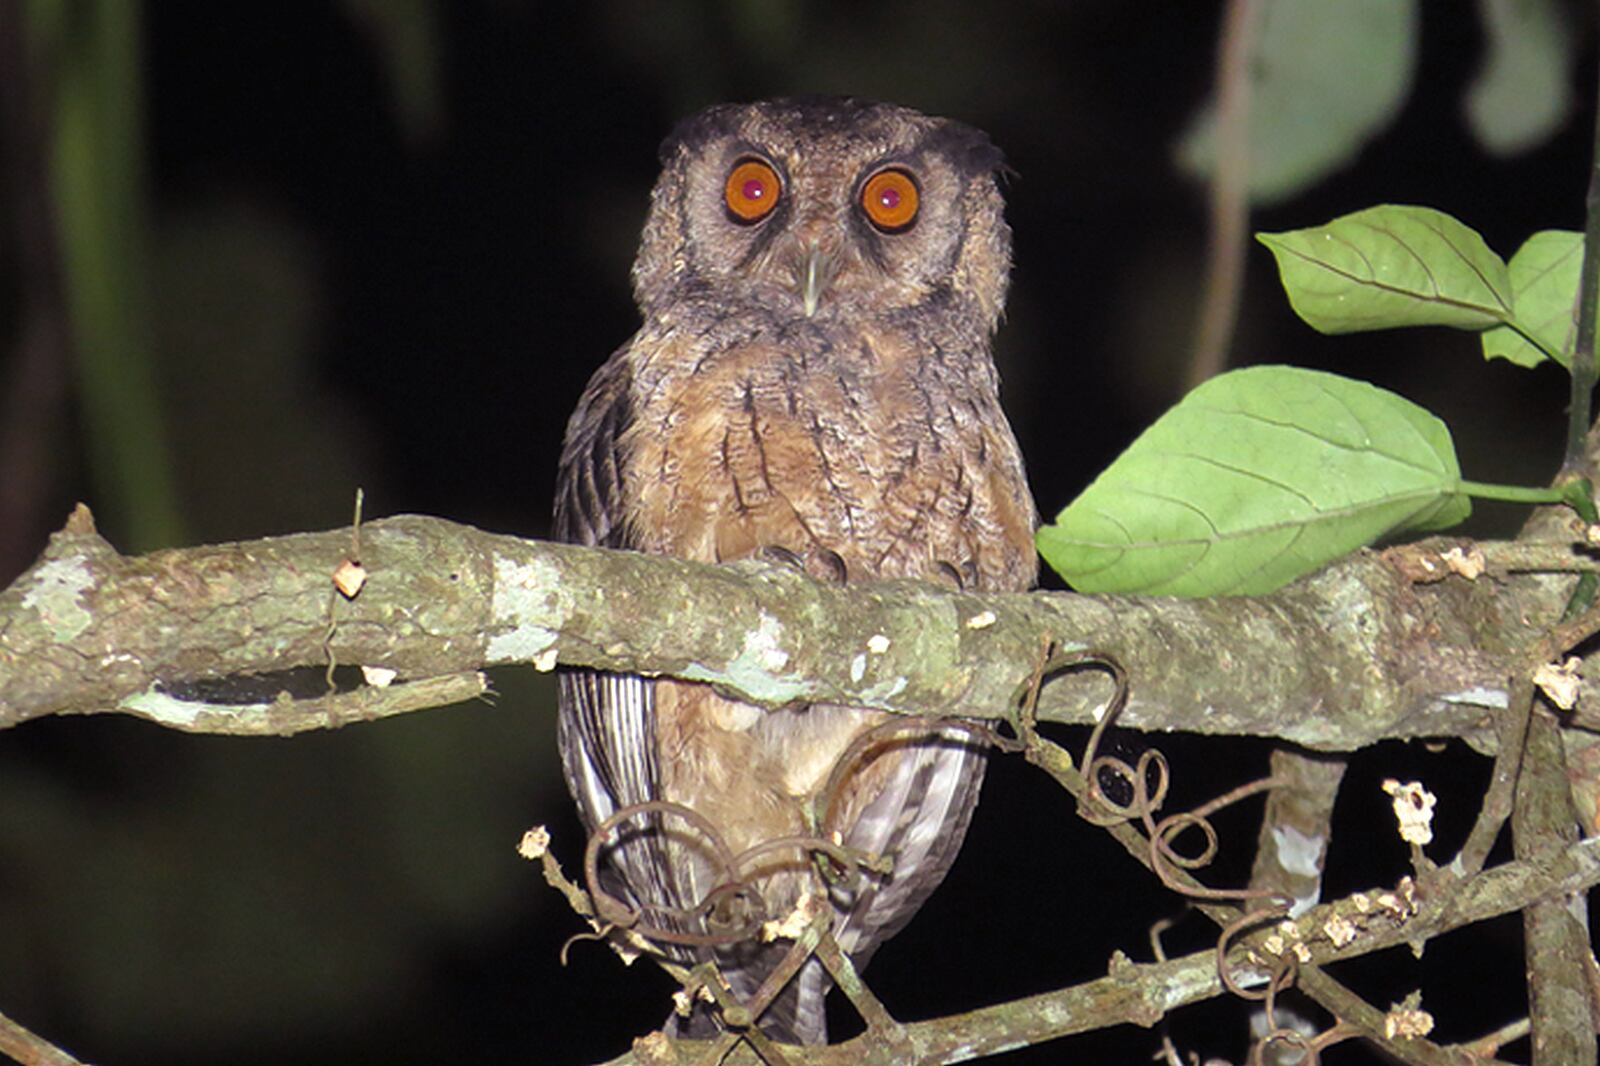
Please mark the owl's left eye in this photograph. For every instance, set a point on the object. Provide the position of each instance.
(752, 190)
(890, 199)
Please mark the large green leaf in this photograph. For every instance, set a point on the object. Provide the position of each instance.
(1544, 300)
(1255, 478)
(1391, 266)
(1325, 77)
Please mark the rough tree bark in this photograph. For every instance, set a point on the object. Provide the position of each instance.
(1350, 656)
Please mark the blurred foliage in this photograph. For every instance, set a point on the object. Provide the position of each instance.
(260, 447)
(1523, 91)
(1325, 79)
(284, 884)
(91, 54)
(406, 39)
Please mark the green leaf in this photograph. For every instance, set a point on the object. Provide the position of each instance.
(1544, 301)
(1391, 266)
(1522, 94)
(1255, 478)
(1324, 79)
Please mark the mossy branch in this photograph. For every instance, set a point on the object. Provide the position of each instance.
(1355, 654)
(1143, 993)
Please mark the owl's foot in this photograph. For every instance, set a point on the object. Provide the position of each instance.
(963, 577)
(820, 564)
(827, 566)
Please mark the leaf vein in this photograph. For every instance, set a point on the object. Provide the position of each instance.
(1431, 225)
(1394, 238)
(1416, 432)
(1254, 475)
(1216, 534)
(1373, 282)
(1422, 497)
(1366, 448)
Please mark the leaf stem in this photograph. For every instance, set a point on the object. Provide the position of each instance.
(1511, 323)
(1513, 493)
(1583, 355)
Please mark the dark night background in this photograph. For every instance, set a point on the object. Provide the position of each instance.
(352, 289)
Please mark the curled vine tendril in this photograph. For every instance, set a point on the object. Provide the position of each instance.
(734, 910)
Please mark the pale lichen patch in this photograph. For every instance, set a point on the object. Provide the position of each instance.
(55, 592)
(522, 604)
(754, 670)
(534, 843)
(1339, 930)
(166, 709)
(1560, 682)
(858, 668)
(379, 676)
(1413, 810)
(1298, 854)
(1480, 697)
(886, 690)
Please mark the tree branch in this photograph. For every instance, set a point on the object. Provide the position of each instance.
(1555, 930)
(1142, 993)
(1349, 656)
(21, 1045)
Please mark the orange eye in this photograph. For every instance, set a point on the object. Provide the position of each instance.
(752, 190)
(890, 200)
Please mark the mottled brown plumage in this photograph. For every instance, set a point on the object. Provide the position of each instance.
(813, 380)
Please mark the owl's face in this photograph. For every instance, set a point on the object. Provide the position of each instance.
(826, 208)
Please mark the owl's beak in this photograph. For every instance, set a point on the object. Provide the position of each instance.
(814, 271)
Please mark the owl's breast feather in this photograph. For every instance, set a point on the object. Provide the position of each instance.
(869, 451)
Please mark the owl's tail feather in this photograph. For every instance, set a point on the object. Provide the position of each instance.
(797, 1016)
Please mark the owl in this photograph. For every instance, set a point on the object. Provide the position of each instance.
(819, 279)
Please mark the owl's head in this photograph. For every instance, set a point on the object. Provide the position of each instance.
(826, 207)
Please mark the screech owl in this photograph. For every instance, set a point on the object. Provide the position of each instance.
(819, 279)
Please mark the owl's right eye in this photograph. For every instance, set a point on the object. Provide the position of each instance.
(752, 190)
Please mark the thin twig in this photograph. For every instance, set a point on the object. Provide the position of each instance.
(1497, 798)
(285, 716)
(880, 1023)
(1556, 942)
(1352, 1009)
(1142, 993)
(1583, 355)
(1230, 189)
(18, 1043)
(1512, 726)
(1481, 1049)
(1296, 826)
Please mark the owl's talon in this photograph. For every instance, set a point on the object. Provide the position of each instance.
(948, 572)
(963, 577)
(820, 564)
(828, 566)
(777, 553)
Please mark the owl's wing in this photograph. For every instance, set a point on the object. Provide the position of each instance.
(919, 819)
(607, 721)
(588, 506)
